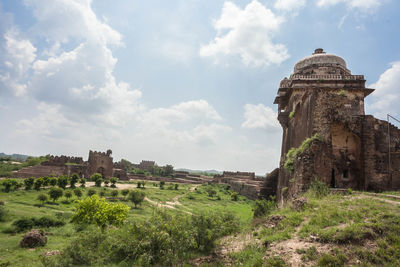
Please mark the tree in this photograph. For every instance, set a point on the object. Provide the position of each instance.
(136, 197)
(139, 183)
(96, 210)
(176, 186)
(114, 193)
(55, 193)
(53, 181)
(162, 183)
(168, 170)
(106, 182)
(68, 195)
(28, 183)
(62, 181)
(42, 198)
(46, 180)
(98, 182)
(74, 179)
(78, 192)
(113, 181)
(7, 185)
(125, 192)
(37, 184)
(143, 184)
(234, 196)
(82, 181)
(96, 176)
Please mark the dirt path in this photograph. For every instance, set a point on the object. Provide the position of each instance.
(393, 202)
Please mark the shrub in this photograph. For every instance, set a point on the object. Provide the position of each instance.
(37, 184)
(106, 182)
(82, 181)
(125, 192)
(96, 176)
(176, 186)
(114, 193)
(234, 196)
(77, 192)
(264, 207)
(74, 179)
(102, 193)
(211, 192)
(3, 213)
(91, 192)
(46, 180)
(98, 182)
(28, 223)
(68, 194)
(162, 184)
(42, 198)
(139, 183)
(29, 183)
(53, 181)
(55, 193)
(136, 197)
(318, 188)
(7, 183)
(113, 181)
(96, 210)
(62, 181)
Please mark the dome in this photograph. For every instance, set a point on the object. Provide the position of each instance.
(320, 60)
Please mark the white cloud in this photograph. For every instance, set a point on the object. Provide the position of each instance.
(289, 5)
(259, 116)
(16, 60)
(385, 99)
(362, 5)
(250, 34)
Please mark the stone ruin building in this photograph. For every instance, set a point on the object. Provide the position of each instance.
(244, 183)
(322, 99)
(100, 162)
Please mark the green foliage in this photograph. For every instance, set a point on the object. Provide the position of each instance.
(125, 192)
(264, 207)
(114, 193)
(113, 181)
(55, 193)
(62, 181)
(249, 256)
(78, 192)
(275, 262)
(38, 183)
(294, 153)
(74, 179)
(211, 192)
(9, 184)
(91, 192)
(7, 166)
(42, 198)
(162, 184)
(96, 176)
(163, 240)
(23, 224)
(291, 114)
(168, 170)
(336, 259)
(106, 182)
(68, 194)
(3, 213)
(342, 93)
(234, 196)
(176, 186)
(98, 182)
(136, 197)
(53, 181)
(29, 183)
(318, 188)
(96, 210)
(82, 181)
(46, 180)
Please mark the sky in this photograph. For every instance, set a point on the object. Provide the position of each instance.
(184, 82)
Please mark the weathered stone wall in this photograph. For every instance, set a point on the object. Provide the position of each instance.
(62, 160)
(100, 162)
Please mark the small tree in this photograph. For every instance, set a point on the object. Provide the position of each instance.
(162, 183)
(102, 193)
(29, 183)
(143, 184)
(234, 196)
(82, 181)
(113, 181)
(211, 192)
(125, 192)
(7, 185)
(96, 210)
(139, 183)
(55, 193)
(106, 182)
(114, 193)
(74, 179)
(53, 181)
(46, 180)
(37, 184)
(68, 195)
(263, 207)
(136, 197)
(176, 186)
(168, 170)
(77, 192)
(96, 176)
(42, 198)
(62, 181)
(98, 182)
(91, 192)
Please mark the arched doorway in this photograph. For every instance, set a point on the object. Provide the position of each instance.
(333, 183)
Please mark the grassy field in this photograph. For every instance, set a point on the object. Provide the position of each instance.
(20, 204)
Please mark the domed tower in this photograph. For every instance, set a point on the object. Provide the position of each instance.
(323, 101)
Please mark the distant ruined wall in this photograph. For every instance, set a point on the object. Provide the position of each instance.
(100, 162)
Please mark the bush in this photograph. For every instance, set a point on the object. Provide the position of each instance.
(234, 196)
(62, 181)
(96, 176)
(318, 188)
(3, 213)
(74, 179)
(114, 193)
(29, 183)
(53, 181)
(46, 180)
(82, 181)
(77, 192)
(28, 223)
(96, 210)
(106, 182)
(264, 207)
(55, 193)
(91, 192)
(125, 192)
(176, 186)
(37, 184)
(162, 184)
(42, 198)
(68, 194)
(113, 181)
(98, 182)
(136, 197)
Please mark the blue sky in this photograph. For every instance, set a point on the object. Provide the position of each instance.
(189, 83)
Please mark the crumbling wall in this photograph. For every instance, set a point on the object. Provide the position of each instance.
(100, 162)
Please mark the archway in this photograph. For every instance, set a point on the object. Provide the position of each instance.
(333, 183)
